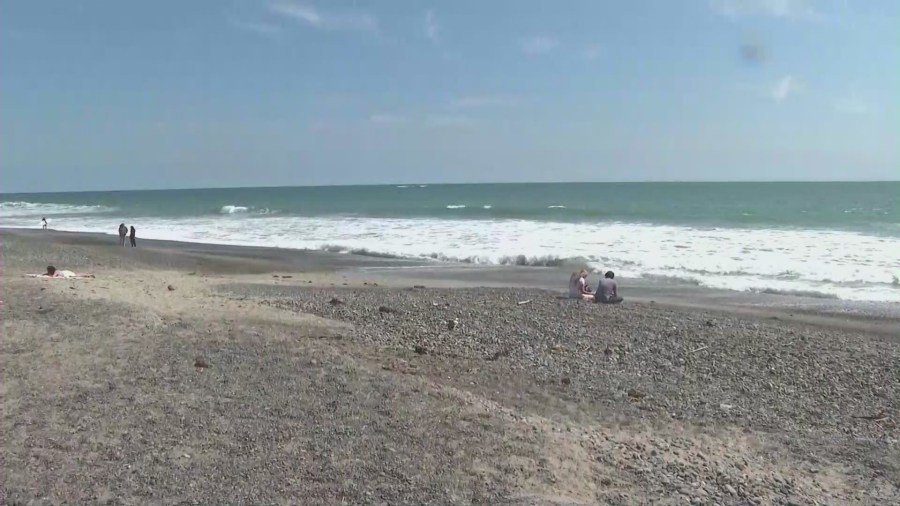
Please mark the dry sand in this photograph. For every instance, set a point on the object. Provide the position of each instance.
(237, 387)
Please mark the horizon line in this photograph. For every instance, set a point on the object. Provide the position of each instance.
(266, 187)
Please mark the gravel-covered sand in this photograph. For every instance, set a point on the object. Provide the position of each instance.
(253, 389)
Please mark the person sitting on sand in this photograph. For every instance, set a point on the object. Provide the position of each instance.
(578, 287)
(607, 290)
(53, 272)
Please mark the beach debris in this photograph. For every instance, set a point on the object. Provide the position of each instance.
(387, 310)
(636, 394)
(608, 351)
(452, 324)
(566, 381)
(335, 301)
(286, 277)
(200, 363)
(523, 302)
(44, 310)
(501, 353)
(171, 288)
(421, 350)
(730, 489)
(419, 287)
(725, 407)
(877, 417)
(275, 275)
(699, 349)
(710, 323)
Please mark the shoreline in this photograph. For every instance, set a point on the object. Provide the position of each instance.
(874, 317)
(870, 316)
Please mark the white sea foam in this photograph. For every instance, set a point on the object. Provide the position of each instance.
(233, 209)
(456, 206)
(486, 206)
(847, 265)
(556, 207)
(39, 209)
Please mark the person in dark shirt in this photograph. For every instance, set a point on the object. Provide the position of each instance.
(123, 231)
(608, 290)
(131, 236)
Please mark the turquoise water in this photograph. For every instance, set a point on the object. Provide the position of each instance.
(842, 206)
(823, 239)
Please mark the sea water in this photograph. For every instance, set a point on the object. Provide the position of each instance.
(836, 240)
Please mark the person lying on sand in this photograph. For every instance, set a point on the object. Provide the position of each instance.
(578, 287)
(608, 290)
(53, 272)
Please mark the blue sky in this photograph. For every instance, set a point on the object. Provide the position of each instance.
(166, 94)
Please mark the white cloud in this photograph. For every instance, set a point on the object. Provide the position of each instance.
(852, 104)
(473, 102)
(783, 9)
(785, 87)
(592, 53)
(539, 45)
(338, 21)
(432, 29)
(265, 29)
(447, 120)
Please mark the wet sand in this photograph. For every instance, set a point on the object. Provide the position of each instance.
(189, 373)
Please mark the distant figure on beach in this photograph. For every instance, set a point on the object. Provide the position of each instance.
(53, 272)
(44, 223)
(123, 231)
(131, 235)
(578, 287)
(608, 290)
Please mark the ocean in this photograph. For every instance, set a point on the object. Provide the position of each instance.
(834, 240)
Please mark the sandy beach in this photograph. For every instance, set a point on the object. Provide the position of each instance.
(197, 374)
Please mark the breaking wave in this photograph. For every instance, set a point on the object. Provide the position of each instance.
(41, 209)
(243, 210)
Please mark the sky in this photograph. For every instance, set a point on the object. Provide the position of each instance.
(102, 95)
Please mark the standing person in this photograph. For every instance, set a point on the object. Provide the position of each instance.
(123, 231)
(131, 236)
(608, 290)
(44, 223)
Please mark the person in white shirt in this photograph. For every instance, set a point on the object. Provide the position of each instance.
(53, 272)
(578, 287)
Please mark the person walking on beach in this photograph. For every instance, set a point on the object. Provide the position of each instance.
(44, 223)
(131, 236)
(608, 290)
(123, 231)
